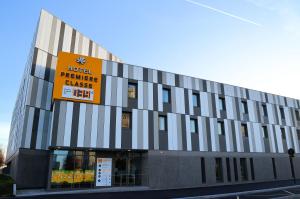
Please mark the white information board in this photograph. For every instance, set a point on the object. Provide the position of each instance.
(103, 173)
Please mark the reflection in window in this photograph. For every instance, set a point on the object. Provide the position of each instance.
(196, 100)
(244, 130)
(166, 95)
(70, 169)
(193, 125)
(221, 129)
(282, 133)
(265, 132)
(126, 118)
(132, 90)
(162, 123)
(222, 103)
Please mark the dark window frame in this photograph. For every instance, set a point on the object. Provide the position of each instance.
(165, 122)
(168, 90)
(222, 103)
(282, 115)
(130, 119)
(244, 169)
(265, 110)
(219, 170)
(245, 127)
(245, 106)
(222, 128)
(265, 131)
(135, 85)
(196, 124)
(282, 131)
(197, 96)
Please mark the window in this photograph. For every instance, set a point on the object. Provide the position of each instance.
(252, 169)
(236, 177)
(244, 107)
(196, 100)
(265, 132)
(282, 113)
(203, 170)
(126, 120)
(221, 130)
(274, 168)
(222, 103)
(282, 133)
(244, 130)
(193, 125)
(298, 133)
(265, 111)
(244, 172)
(297, 115)
(132, 90)
(219, 170)
(228, 170)
(162, 123)
(166, 95)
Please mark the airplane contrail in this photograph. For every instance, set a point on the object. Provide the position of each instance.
(223, 12)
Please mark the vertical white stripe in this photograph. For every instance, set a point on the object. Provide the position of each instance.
(140, 95)
(114, 69)
(118, 127)
(49, 96)
(104, 67)
(145, 130)
(288, 138)
(204, 104)
(39, 93)
(134, 128)
(272, 138)
(154, 76)
(80, 138)
(40, 129)
(67, 39)
(295, 138)
(150, 96)
(94, 125)
(170, 131)
(108, 91)
(175, 132)
(188, 133)
(214, 135)
(106, 127)
(68, 126)
(29, 127)
(125, 70)
(251, 137)
(239, 138)
(279, 139)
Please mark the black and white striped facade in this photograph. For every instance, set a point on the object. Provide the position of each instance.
(39, 123)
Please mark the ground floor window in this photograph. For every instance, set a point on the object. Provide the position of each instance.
(72, 169)
(77, 169)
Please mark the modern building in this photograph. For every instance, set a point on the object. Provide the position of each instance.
(85, 119)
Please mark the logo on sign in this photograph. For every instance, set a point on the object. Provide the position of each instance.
(78, 93)
(81, 60)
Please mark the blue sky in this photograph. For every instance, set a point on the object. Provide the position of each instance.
(249, 43)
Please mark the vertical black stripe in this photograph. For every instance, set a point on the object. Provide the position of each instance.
(203, 173)
(61, 37)
(177, 82)
(55, 122)
(33, 66)
(120, 70)
(73, 41)
(213, 105)
(48, 67)
(75, 122)
(159, 77)
(145, 74)
(204, 85)
(222, 89)
(186, 101)
(183, 126)
(112, 137)
(35, 126)
(151, 130)
(155, 97)
(103, 89)
(252, 169)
